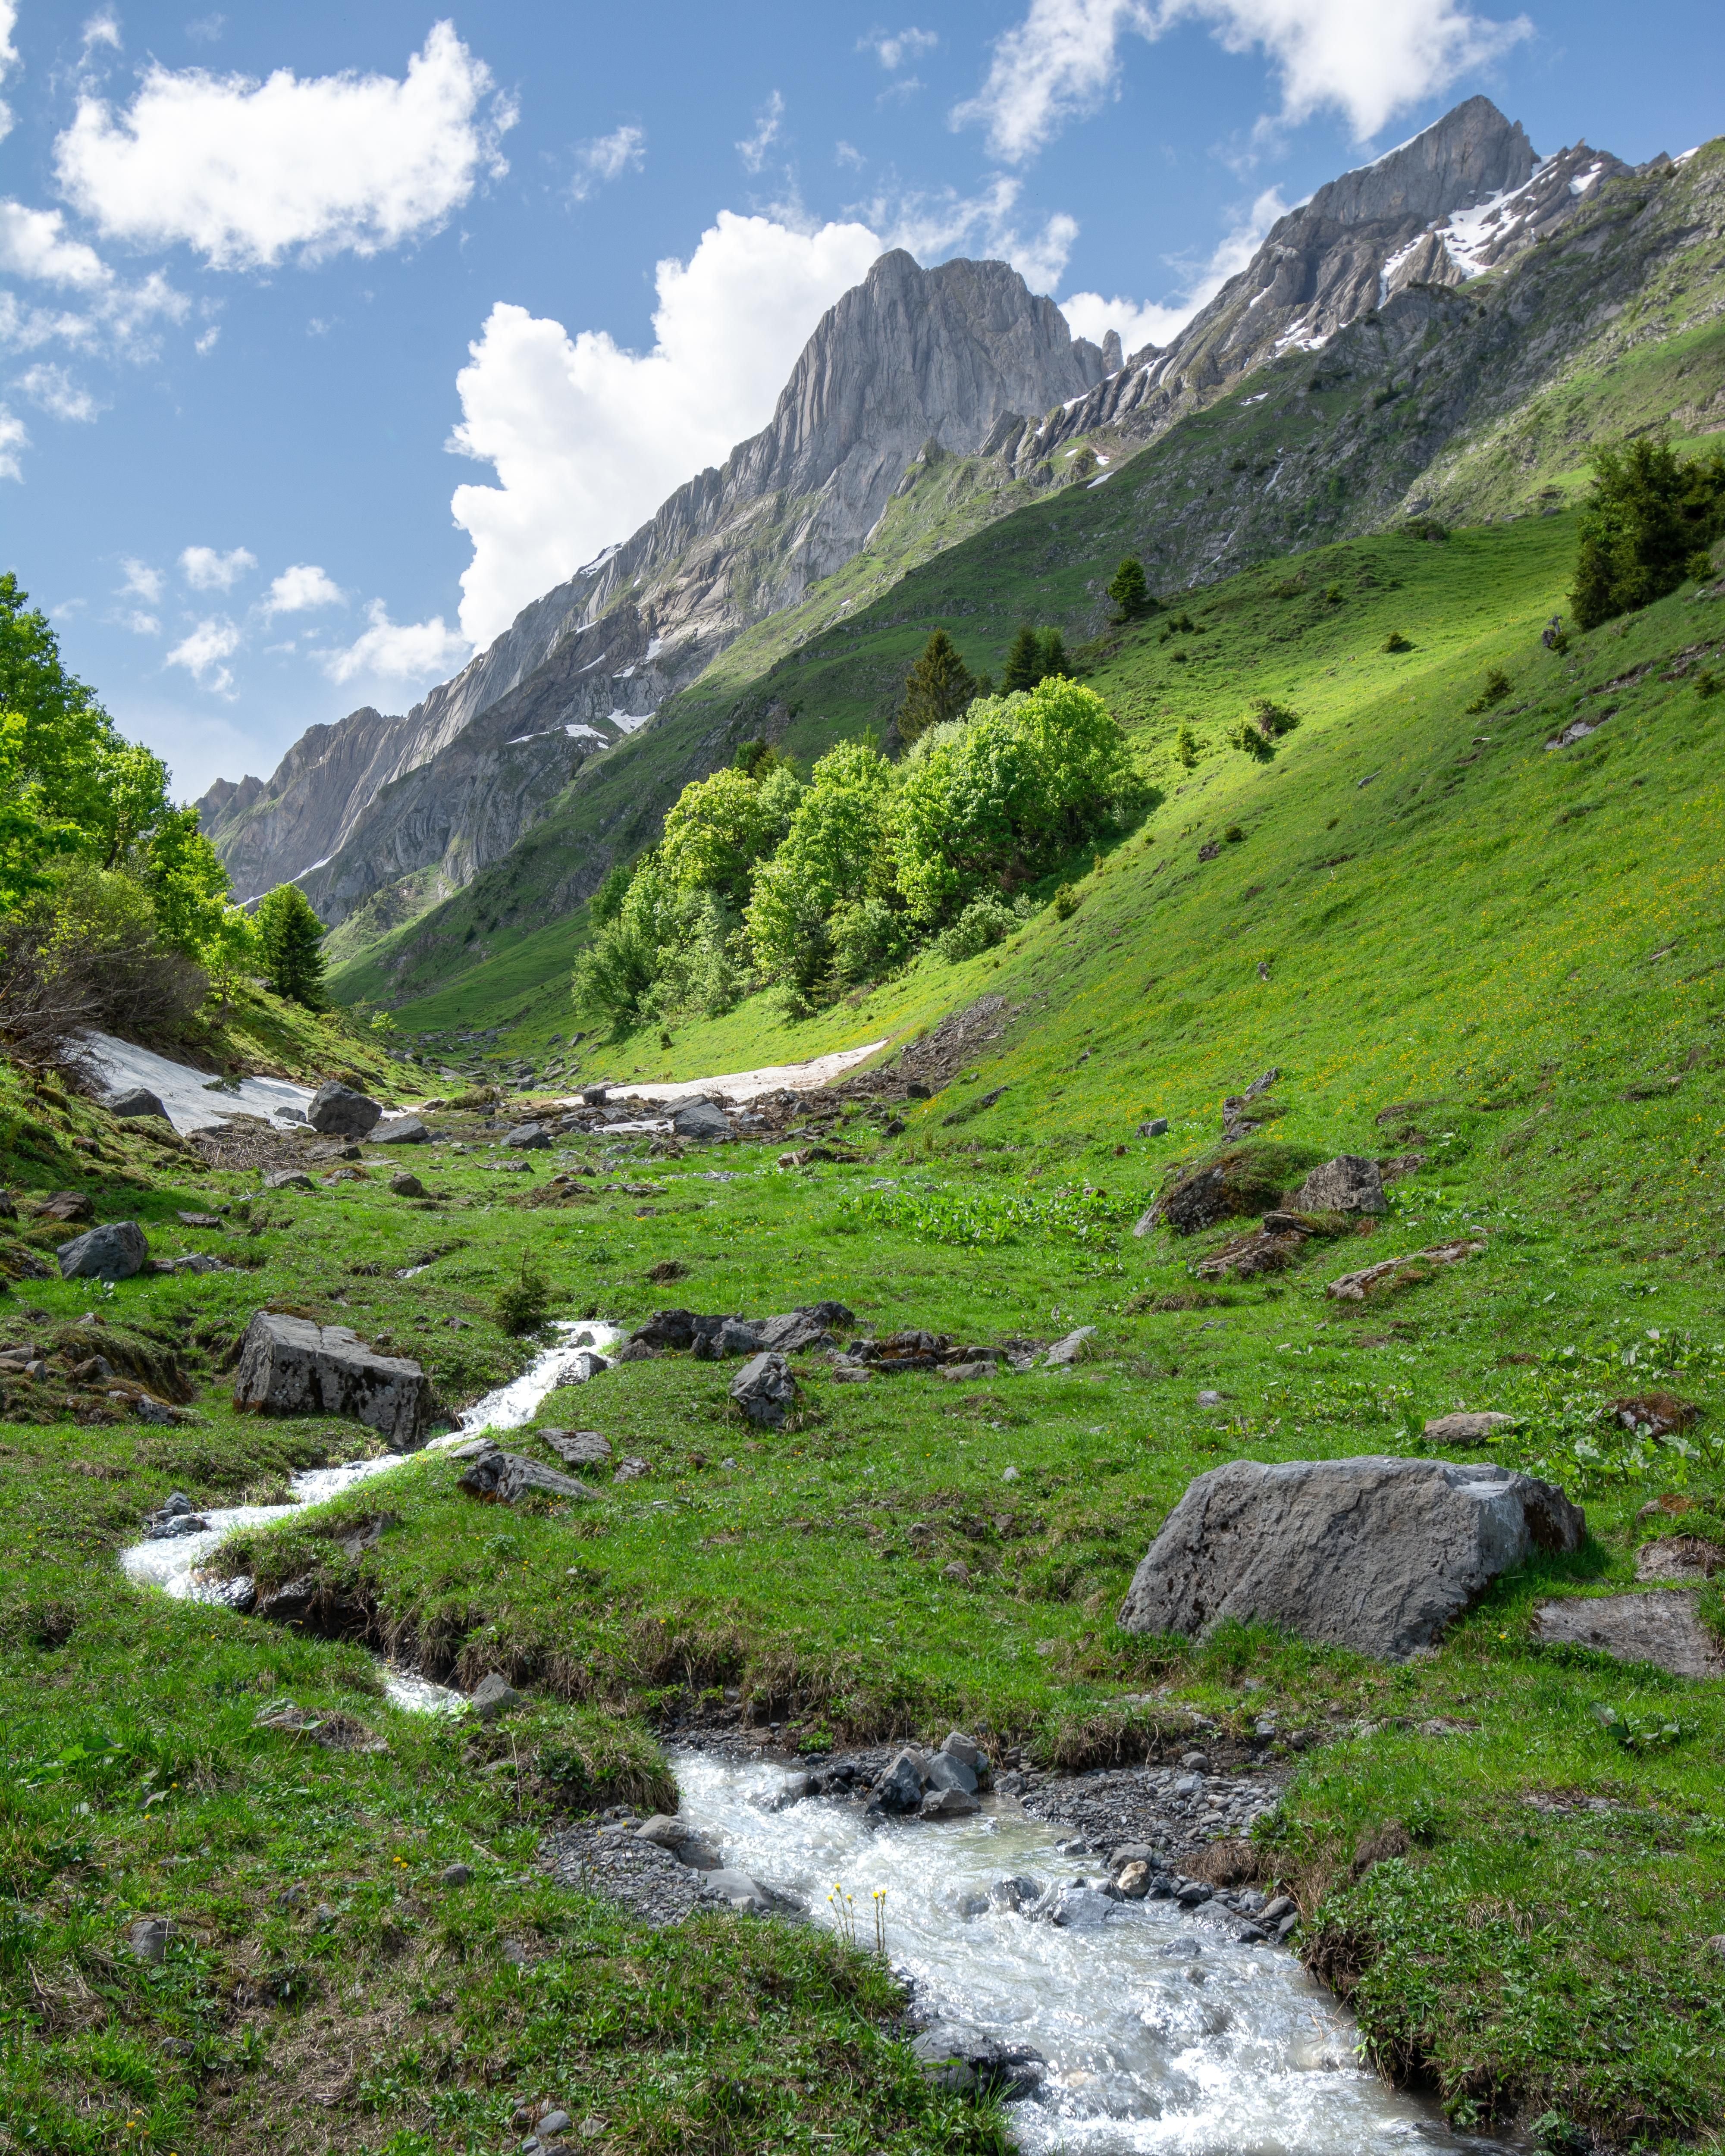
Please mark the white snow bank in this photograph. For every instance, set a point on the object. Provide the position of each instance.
(745, 1084)
(187, 1093)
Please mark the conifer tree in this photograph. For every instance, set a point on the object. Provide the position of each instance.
(1054, 661)
(1023, 663)
(1129, 590)
(290, 934)
(938, 687)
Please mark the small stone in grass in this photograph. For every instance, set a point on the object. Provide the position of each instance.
(405, 1185)
(456, 1875)
(493, 1695)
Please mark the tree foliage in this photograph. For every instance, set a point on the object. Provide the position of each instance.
(1130, 590)
(939, 687)
(290, 938)
(1647, 516)
(835, 854)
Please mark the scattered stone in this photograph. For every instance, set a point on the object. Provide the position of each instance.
(949, 1803)
(962, 2060)
(632, 1470)
(1240, 1115)
(957, 1572)
(289, 1178)
(1663, 1627)
(1078, 1908)
(765, 1390)
(1209, 1399)
(135, 1101)
(1065, 1352)
(67, 1206)
(701, 1120)
(177, 1517)
(1259, 1250)
(1133, 1881)
(1015, 1894)
(685, 1842)
(456, 1875)
(528, 1137)
(578, 1448)
(1408, 1271)
(946, 1771)
(1348, 1183)
(1375, 1553)
(112, 1253)
(1679, 1556)
(633, 1350)
(554, 2121)
(1156, 1127)
(405, 1185)
(148, 1938)
(1467, 1429)
(494, 1696)
(738, 1889)
(900, 1786)
(290, 1366)
(199, 1220)
(337, 1111)
(504, 1478)
(401, 1130)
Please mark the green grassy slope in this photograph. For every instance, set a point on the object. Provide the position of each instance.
(1482, 403)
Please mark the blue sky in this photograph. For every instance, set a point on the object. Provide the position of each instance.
(329, 336)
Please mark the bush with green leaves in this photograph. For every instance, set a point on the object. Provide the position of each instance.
(837, 853)
(1649, 514)
(524, 1301)
(984, 922)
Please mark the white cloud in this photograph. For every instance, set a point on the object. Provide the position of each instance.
(753, 148)
(586, 439)
(847, 154)
(248, 173)
(206, 571)
(608, 157)
(301, 587)
(1365, 59)
(207, 30)
(53, 389)
(102, 28)
(34, 244)
(893, 47)
(142, 624)
(14, 435)
(398, 650)
(8, 60)
(205, 344)
(203, 651)
(141, 581)
(1142, 322)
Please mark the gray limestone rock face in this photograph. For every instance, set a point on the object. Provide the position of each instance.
(335, 1111)
(1375, 1553)
(136, 1101)
(289, 1366)
(1348, 1183)
(115, 1252)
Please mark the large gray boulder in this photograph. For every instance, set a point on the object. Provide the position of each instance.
(112, 1253)
(335, 1111)
(289, 1366)
(401, 1130)
(135, 1101)
(1374, 1553)
(506, 1477)
(765, 1390)
(700, 1120)
(1348, 1183)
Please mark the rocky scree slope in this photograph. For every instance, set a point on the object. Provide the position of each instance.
(1474, 402)
(906, 357)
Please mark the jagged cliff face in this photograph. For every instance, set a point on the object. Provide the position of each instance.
(907, 355)
(1466, 196)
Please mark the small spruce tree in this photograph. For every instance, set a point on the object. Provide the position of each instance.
(1054, 661)
(289, 935)
(1023, 662)
(1130, 590)
(938, 687)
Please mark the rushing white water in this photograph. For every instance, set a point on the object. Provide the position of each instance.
(1161, 2034)
(176, 1565)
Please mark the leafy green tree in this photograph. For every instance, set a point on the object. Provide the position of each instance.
(30, 839)
(607, 901)
(1646, 516)
(1027, 779)
(1130, 590)
(1023, 667)
(290, 937)
(184, 877)
(939, 687)
(720, 826)
(836, 851)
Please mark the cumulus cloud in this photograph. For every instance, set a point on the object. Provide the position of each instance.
(206, 571)
(1142, 322)
(203, 650)
(249, 173)
(141, 581)
(14, 436)
(34, 244)
(1365, 59)
(103, 28)
(608, 157)
(53, 390)
(397, 650)
(142, 624)
(35, 247)
(8, 61)
(301, 587)
(586, 438)
(753, 148)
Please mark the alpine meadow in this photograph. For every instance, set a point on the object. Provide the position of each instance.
(916, 1340)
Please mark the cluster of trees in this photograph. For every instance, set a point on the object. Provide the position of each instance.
(762, 879)
(1649, 522)
(114, 910)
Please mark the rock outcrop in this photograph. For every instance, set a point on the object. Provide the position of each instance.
(1375, 1553)
(907, 357)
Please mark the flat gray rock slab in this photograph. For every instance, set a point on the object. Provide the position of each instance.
(1663, 1627)
(289, 1366)
(1376, 1553)
(507, 1477)
(1348, 1183)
